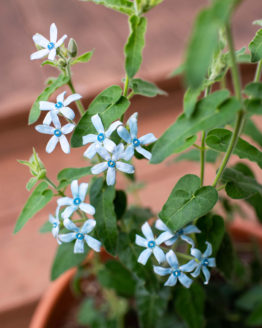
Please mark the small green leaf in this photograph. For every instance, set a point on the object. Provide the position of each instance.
(190, 100)
(212, 230)
(255, 47)
(178, 71)
(89, 315)
(251, 130)
(193, 155)
(105, 99)
(123, 6)
(37, 200)
(250, 298)
(149, 4)
(84, 58)
(225, 258)
(102, 198)
(135, 45)
(66, 176)
(187, 201)
(254, 90)
(145, 88)
(30, 184)
(46, 227)
(57, 83)
(210, 112)
(218, 139)
(65, 259)
(115, 276)
(120, 203)
(49, 62)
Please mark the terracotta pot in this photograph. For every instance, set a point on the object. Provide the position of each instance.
(58, 297)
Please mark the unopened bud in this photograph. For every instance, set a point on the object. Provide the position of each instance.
(72, 48)
(61, 62)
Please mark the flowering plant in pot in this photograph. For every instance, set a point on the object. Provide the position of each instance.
(160, 264)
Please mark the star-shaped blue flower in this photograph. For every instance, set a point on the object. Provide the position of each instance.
(60, 107)
(135, 143)
(181, 233)
(101, 139)
(175, 271)
(151, 244)
(79, 194)
(203, 261)
(55, 221)
(80, 235)
(112, 164)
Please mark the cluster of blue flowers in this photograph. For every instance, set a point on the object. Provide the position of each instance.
(199, 262)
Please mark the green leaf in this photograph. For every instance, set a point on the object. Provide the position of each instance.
(254, 90)
(37, 200)
(120, 203)
(250, 299)
(66, 176)
(193, 155)
(225, 259)
(178, 71)
(255, 317)
(255, 47)
(190, 100)
(239, 185)
(115, 276)
(123, 6)
(30, 184)
(257, 22)
(145, 88)
(253, 106)
(149, 4)
(102, 198)
(49, 62)
(135, 45)
(210, 112)
(89, 315)
(57, 83)
(84, 58)
(251, 130)
(212, 230)
(150, 306)
(187, 201)
(136, 216)
(218, 139)
(110, 106)
(256, 202)
(65, 259)
(46, 227)
(189, 304)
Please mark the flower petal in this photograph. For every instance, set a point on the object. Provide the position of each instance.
(147, 139)
(64, 144)
(89, 138)
(64, 201)
(185, 280)
(109, 145)
(96, 120)
(68, 113)
(171, 281)
(159, 254)
(93, 243)
(60, 41)
(39, 54)
(88, 226)
(208, 250)
(129, 152)
(147, 231)
(51, 144)
(52, 54)
(160, 225)
(124, 167)
(163, 237)
(48, 119)
(52, 219)
(67, 237)
(191, 229)
(46, 129)
(70, 225)
(46, 105)
(112, 128)
(68, 211)
(172, 259)
(90, 152)
(53, 33)
(188, 240)
(132, 122)
(82, 191)
(118, 152)
(99, 168)
(79, 246)
(55, 119)
(144, 152)
(124, 134)
(206, 274)
(111, 176)
(171, 241)
(196, 253)
(69, 127)
(162, 271)
(196, 273)
(74, 188)
(103, 153)
(87, 208)
(211, 262)
(40, 40)
(60, 97)
(144, 256)
(189, 266)
(72, 98)
(140, 241)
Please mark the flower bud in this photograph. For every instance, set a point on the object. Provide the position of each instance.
(61, 62)
(35, 165)
(72, 48)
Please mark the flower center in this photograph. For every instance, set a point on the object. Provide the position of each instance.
(180, 232)
(205, 262)
(111, 163)
(55, 224)
(176, 273)
(77, 201)
(101, 137)
(51, 45)
(57, 133)
(136, 142)
(79, 236)
(59, 104)
(151, 244)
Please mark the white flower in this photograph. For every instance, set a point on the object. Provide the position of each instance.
(59, 107)
(49, 47)
(54, 220)
(112, 164)
(58, 134)
(100, 139)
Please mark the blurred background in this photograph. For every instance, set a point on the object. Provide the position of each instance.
(26, 257)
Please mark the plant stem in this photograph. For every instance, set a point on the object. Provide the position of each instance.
(79, 104)
(125, 91)
(241, 114)
(131, 94)
(258, 71)
(185, 256)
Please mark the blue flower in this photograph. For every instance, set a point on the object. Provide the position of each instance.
(101, 138)
(135, 143)
(181, 233)
(112, 164)
(60, 107)
(175, 271)
(58, 133)
(81, 235)
(151, 244)
(49, 47)
(54, 220)
(79, 194)
(203, 261)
